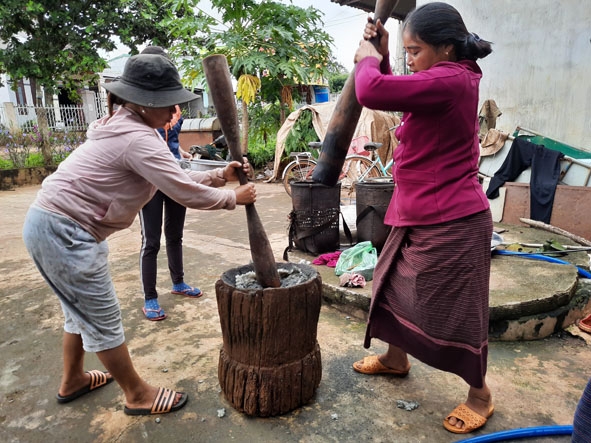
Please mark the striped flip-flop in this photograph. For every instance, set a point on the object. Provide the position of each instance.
(163, 403)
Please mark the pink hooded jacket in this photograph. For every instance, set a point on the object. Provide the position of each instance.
(104, 183)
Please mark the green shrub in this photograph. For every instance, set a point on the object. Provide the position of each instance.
(34, 159)
(262, 134)
(337, 81)
(23, 149)
(6, 164)
(260, 153)
(17, 146)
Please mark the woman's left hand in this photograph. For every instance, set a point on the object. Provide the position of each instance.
(184, 154)
(366, 49)
(231, 173)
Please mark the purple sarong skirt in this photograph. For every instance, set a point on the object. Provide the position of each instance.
(430, 294)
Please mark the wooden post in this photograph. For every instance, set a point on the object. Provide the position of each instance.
(345, 117)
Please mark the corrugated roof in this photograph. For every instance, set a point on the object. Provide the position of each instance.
(402, 8)
(115, 66)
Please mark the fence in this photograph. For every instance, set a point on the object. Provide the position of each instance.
(67, 117)
(57, 118)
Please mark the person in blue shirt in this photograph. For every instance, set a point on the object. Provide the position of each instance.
(151, 218)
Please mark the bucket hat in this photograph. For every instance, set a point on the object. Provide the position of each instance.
(153, 49)
(150, 80)
(493, 142)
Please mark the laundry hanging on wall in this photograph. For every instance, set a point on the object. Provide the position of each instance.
(545, 173)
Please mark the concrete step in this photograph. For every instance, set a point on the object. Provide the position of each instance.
(529, 299)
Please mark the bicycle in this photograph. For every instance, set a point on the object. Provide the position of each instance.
(299, 170)
(302, 167)
(377, 168)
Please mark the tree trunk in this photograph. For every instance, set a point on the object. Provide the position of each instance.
(282, 116)
(244, 128)
(43, 125)
(43, 122)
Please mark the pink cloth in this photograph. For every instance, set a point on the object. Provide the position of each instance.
(352, 280)
(329, 259)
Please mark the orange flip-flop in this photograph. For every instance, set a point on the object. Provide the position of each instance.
(584, 324)
(371, 365)
(472, 420)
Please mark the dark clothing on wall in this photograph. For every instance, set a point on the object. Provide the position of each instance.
(545, 173)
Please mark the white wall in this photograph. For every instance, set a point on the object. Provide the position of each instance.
(4, 90)
(540, 71)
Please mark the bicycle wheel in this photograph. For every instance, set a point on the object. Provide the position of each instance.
(297, 172)
(354, 167)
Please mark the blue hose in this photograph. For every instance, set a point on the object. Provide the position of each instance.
(537, 431)
(582, 272)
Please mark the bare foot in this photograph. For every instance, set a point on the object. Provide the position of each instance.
(396, 362)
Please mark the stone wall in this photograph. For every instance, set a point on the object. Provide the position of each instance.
(12, 178)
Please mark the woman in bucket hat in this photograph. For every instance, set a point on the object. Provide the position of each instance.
(98, 190)
(426, 301)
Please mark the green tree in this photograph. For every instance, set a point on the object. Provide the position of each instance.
(337, 76)
(266, 39)
(335, 67)
(337, 81)
(56, 43)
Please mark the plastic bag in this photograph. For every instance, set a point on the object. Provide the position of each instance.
(359, 259)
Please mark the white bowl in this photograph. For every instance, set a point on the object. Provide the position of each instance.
(206, 165)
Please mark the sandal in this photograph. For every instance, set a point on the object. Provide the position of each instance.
(584, 324)
(98, 379)
(472, 420)
(372, 365)
(163, 403)
(153, 311)
(186, 290)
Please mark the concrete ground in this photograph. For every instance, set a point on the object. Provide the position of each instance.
(534, 383)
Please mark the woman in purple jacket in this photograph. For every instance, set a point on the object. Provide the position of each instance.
(430, 290)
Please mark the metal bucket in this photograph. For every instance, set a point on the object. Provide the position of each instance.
(207, 165)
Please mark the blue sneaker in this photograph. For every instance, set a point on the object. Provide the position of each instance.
(153, 311)
(186, 290)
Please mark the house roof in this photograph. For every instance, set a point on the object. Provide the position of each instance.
(402, 8)
(115, 66)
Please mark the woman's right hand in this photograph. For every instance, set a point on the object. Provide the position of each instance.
(377, 30)
(245, 194)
